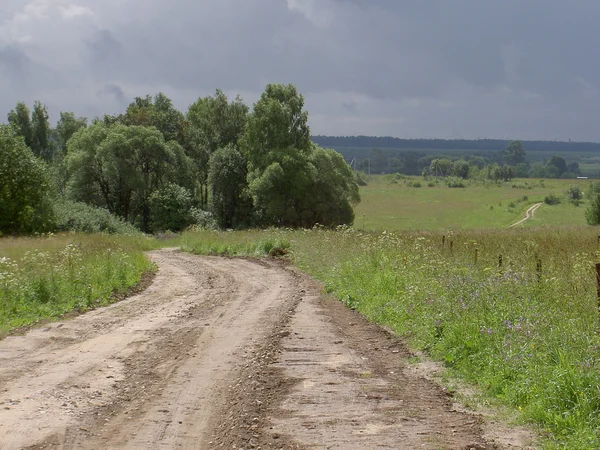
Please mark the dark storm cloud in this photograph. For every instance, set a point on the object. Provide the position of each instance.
(447, 68)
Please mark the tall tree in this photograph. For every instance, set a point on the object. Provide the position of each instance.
(119, 167)
(230, 201)
(212, 123)
(20, 119)
(514, 153)
(156, 112)
(40, 124)
(284, 166)
(25, 204)
(67, 126)
(559, 163)
(277, 125)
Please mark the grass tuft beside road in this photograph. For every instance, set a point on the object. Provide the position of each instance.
(46, 277)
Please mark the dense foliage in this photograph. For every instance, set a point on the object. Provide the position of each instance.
(24, 189)
(535, 159)
(159, 169)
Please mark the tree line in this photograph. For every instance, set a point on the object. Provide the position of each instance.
(475, 145)
(218, 164)
(512, 160)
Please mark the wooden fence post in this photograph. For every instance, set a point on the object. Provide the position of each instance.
(475, 257)
(500, 261)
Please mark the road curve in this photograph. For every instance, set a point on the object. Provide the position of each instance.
(224, 353)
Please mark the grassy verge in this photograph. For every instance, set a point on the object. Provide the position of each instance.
(524, 330)
(46, 277)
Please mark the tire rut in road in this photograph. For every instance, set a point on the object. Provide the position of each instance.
(148, 372)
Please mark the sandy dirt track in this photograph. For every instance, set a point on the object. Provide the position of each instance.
(528, 214)
(224, 353)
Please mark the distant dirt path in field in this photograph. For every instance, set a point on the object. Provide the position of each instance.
(223, 353)
(528, 214)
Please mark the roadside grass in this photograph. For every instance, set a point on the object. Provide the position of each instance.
(45, 277)
(524, 331)
(389, 204)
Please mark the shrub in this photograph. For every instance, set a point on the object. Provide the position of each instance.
(455, 182)
(551, 199)
(574, 193)
(170, 208)
(203, 219)
(592, 213)
(84, 218)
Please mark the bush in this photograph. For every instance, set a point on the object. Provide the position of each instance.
(455, 182)
(203, 219)
(84, 218)
(170, 208)
(592, 213)
(551, 199)
(574, 193)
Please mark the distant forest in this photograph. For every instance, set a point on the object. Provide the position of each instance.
(538, 159)
(476, 145)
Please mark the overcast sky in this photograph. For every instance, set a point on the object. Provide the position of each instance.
(523, 69)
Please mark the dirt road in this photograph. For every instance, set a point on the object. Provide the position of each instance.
(224, 353)
(528, 214)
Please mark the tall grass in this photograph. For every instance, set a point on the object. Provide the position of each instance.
(525, 330)
(48, 276)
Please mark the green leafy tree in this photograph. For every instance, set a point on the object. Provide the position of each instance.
(461, 168)
(441, 167)
(277, 127)
(20, 120)
(156, 112)
(170, 208)
(119, 167)
(558, 163)
(25, 202)
(66, 127)
(40, 125)
(230, 201)
(212, 123)
(335, 192)
(514, 153)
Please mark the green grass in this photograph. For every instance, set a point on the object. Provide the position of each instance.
(397, 206)
(48, 276)
(524, 333)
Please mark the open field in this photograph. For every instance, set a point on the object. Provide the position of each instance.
(390, 205)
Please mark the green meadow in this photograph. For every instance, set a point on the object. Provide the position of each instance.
(394, 204)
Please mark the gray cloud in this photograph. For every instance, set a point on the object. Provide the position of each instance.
(460, 68)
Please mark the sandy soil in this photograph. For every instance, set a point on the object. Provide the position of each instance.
(225, 353)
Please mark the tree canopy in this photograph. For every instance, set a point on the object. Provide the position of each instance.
(157, 169)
